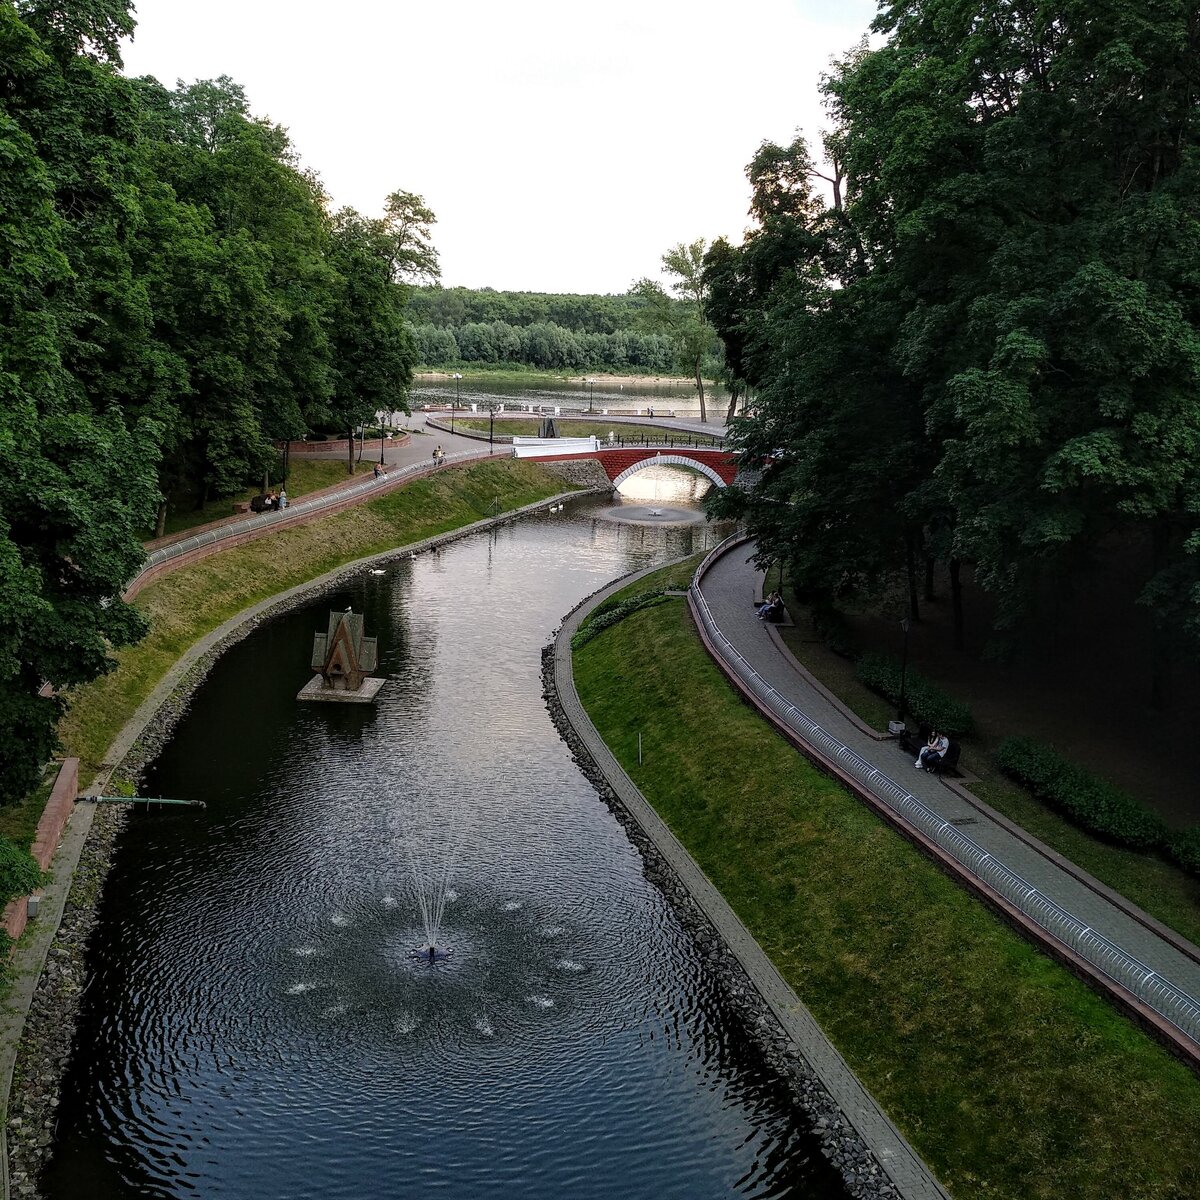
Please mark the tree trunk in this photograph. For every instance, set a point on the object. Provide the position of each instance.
(1160, 657)
(956, 600)
(929, 564)
(910, 569)
(350, 453)
(731, 412)
(700, 392)
(160, 522)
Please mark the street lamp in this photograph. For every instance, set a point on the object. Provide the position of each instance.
(904, 624)
(454, 407)
(591, 385)
(380, 416)
(491, 424)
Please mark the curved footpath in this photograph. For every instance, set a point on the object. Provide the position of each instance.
(872, 1154)
(1151, 971)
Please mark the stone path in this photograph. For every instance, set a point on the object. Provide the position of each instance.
(729, 588)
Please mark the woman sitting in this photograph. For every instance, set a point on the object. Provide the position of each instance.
(772, 610)
(932, 752)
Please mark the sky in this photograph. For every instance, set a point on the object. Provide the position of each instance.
(564, 147)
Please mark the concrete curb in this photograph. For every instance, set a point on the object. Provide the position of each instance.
(906, 1172)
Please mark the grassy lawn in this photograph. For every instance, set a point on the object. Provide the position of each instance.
(194, 600)
(1159, 887)
(1010, 1076)
(528, 427)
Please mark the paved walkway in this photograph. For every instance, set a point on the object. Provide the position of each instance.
(729, 588)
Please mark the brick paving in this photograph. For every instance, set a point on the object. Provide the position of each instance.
(730, 586)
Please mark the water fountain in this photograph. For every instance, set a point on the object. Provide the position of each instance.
(431, 852)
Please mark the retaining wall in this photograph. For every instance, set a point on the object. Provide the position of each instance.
(49, 833)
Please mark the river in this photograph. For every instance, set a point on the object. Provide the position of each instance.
(256, 1026)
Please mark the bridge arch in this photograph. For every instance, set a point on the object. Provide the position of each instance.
(670, 460)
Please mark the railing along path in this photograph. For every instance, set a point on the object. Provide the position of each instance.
(299, 508)
(1177, 1006)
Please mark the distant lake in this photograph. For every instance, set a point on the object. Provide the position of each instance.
(628, 396)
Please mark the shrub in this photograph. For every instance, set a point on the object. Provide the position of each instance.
(1183, 848)
(19, 872)
(613, 610)
(926, 701)
(831, 626)
(1091, 803)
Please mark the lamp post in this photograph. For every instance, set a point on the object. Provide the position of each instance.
(454, 406)
(904, 624)
(389, 417)
(591, 385)
(491, 424)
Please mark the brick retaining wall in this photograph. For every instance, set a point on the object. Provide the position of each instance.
(49, 833)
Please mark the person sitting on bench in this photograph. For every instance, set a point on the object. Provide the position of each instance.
(932, 752)
(772, 610)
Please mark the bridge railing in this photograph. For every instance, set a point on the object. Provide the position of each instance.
(1132, 975)
(662, 442)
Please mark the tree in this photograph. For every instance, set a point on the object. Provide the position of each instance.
(407, 230)
(77, 474)
(1010, 253)
(683, 319)
(373, 348)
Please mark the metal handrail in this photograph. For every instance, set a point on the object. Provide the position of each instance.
(313, 504)
(1167, 999)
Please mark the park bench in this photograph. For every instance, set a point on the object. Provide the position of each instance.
(783, 617)
(910, 742)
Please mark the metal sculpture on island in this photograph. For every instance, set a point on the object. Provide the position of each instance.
(344, 659)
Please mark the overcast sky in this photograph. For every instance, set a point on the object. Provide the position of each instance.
(564, 147)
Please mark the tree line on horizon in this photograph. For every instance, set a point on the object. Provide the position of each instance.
(549, 331)
(974, 336)
(175, 297)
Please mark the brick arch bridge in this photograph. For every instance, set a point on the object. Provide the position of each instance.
(719, 466)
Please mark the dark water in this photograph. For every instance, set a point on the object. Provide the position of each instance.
(256, 1027)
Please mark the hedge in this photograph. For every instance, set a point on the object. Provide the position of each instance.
(613, 610)
(926, 701)
(1091, 803)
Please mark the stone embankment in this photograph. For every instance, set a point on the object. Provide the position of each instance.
(50, 1024)
(585, 473)
(841, 1143)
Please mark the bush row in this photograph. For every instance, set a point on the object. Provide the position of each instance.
(926, 701)
(1094, 805)
(613, 610)
(19, 873)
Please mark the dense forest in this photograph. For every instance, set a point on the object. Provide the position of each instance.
(175, 296)
(973, 336)
(469, 327)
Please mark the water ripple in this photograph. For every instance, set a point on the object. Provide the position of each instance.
(258, 1024)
